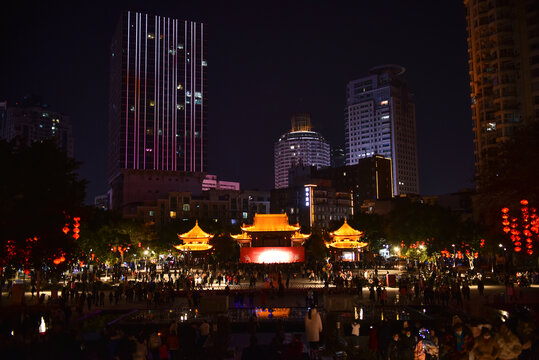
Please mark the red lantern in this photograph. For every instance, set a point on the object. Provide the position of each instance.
(505, 210)
(506, 229)
(517, 249)
(524, 202)
(57, 261)
(65, 229)
(76, 236)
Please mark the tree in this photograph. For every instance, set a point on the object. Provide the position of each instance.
(40, 194)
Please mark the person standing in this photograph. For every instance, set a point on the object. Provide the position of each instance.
(313, 328)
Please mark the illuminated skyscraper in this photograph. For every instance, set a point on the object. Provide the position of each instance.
(158, 102)
(503, 46)
(157, 108)
(301, 146)
(380, 120)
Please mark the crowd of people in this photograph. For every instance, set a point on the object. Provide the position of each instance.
(248, 285)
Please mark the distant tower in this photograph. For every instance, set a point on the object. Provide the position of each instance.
(380, 120)
(503, 46)
(158, 97)
(32, 121)
(300, 146)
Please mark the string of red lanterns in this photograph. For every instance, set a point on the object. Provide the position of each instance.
(527, 226)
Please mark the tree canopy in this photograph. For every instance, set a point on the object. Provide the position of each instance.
(40, 194)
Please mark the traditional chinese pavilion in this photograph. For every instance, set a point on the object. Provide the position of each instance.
(271, 239)
(195, 239)
(346, 243)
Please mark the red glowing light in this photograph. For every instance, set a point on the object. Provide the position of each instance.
(524, 202)
(76, 236)
(517, 249)
(65, 230)
(505, 210)
(529, 251)
(271, 255)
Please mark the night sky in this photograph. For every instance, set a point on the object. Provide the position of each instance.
(266, 60)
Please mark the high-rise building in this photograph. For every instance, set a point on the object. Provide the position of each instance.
(158, 107)
(32, 120)
(300, 146)
(158, 97)
(368, 180)
(503, 48)
(380, 120)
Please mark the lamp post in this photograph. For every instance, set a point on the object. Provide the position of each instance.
(454, 255)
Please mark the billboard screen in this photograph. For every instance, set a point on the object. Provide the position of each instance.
(272, 255)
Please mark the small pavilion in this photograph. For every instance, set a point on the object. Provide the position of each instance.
(346, 243)
(195, 240)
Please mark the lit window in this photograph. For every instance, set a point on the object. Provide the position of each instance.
(179, 106)
(292, 147)
(198, 102)
(172, 52)
(245, 215)
(384, 102)
(180, 46)
(152, 103)
(132, 108)
(198, 94)
(180, 87)
(491, 126)
(173, 214)
(188, 93)
(204, 63)
(151, 36)
(151, 213)
(186, 207)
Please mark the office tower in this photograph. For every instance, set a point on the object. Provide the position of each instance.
(32, 120)
(158, 97)
(503, 46)
(300, 146)
(380, 120)
(368, 180)
(158, 109)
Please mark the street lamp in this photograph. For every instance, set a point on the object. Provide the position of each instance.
(454, 255)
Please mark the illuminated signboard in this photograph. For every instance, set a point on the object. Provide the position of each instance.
(272, 255)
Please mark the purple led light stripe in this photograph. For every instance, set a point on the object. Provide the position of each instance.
(201, 97)
(184, 98)
(154, 149)
(145, 92)
(127, 96)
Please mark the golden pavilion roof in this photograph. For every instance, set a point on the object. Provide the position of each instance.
(195, 233)
(270, 223)
(346, 237)
(346, 230)
(195, 239)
